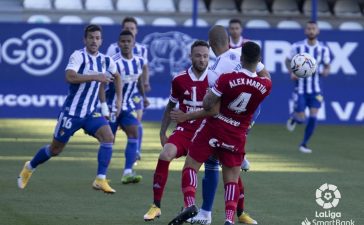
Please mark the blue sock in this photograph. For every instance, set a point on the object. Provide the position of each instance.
(104, 157)
(42, 155)
(140, 137)
(209, 183)
(130, 152)
(310, 128)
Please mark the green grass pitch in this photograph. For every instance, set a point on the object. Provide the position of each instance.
(280, 188)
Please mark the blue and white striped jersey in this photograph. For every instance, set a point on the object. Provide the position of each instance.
(83, 98)
(321, 53)
(138, 50)
(130, 70)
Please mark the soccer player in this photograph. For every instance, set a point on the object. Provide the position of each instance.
(227, 61)
(188, 89)
(86, 69)
(307, 92)
(236, 39)
(130, 68)
(229, 108)
(130, 24)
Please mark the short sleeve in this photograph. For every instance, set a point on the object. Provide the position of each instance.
(174, 92)
(212, 77)
(111, 50)
(75, 61)
(219, 87)
(260, 67)
(326, 56)
(112, 66)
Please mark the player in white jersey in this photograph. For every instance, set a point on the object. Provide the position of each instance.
(227, 61)
(130, 68)
(130, 24)
(236, 40)
(307, 92)
(86, 69)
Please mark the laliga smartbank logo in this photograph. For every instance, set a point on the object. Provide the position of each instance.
(38, 51)
(327, 197)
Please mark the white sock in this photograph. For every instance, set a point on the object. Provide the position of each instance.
(30, 167)
(101, 176)
(205, 213)
(127, 171)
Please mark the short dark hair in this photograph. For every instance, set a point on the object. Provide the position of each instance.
(311, 22)
(126, 32)
(199, 43)
(250, 52)
(92, 28)
(129, 19)
(235, 20)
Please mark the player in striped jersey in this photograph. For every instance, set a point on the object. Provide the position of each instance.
(307, 92)
(130, 24)
(130, 68)
(86, 69)
(236, 40)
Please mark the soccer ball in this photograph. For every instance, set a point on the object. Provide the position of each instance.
(303, 65)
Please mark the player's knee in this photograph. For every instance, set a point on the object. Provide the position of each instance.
(55, 150)
(168, 154)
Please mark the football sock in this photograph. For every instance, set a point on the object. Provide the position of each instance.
(140, 137)
(231, 199)
(310, 127)
(189, 184)
(42, 155)
(104, 157)
(130, 152)
(209, 183)
(160, 180)
(240, 206)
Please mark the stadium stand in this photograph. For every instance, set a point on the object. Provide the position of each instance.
(222, 22)
(285, 7)
(38, 4)
(254, 7)
(322, 8)
(102, 20)
(104, 5)
(257, 24)
(39, 19)
(288, 24)
(130, 6)
(68, 4)
(223, 6)
(200, 23)
(351, 25)
(70, 19)
(164, 21)
(324, 25)
(161, 6)
(187, 6)
(333, 12)
(347, 8)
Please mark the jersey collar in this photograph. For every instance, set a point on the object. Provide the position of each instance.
(247, 72)
(240, 42)
(193, 76)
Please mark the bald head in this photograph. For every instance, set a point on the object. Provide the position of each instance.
(218, 37)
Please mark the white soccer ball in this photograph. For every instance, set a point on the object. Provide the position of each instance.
(303, 65)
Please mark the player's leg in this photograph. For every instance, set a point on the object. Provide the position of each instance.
(138, 103)
(98, 127)
(65, 128)
(160, 179)
(298, 115)
(243, 217)
(230, 177)
(314, 103)
(130, 123)
(210, 182)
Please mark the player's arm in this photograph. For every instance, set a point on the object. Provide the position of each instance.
(118, 91)
(211, 107)
(145, 76)
(73, 77)
(326, 60)
(166, 120)
(140, 87)
(264, 73)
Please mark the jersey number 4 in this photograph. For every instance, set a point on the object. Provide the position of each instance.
(240, 103)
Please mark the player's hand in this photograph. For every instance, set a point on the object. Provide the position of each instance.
(293, 77)
(178, 116)
(104, 78)
(163, 139)
(147, 87)
(146, 102)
